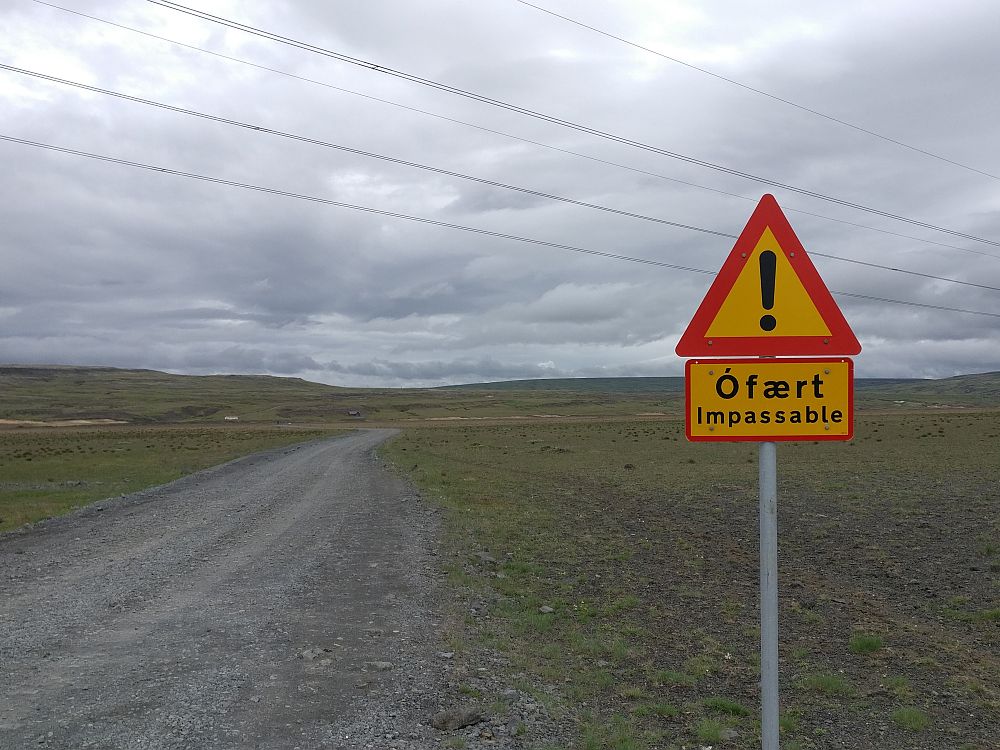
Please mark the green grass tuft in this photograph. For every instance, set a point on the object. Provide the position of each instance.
(862, 643)
(709, 730)
(826, 683)
(912, 718)
(662, 710)
(719, 705)
(672, 678)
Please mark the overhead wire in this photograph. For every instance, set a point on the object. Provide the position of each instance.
(348, 149)
(436, 222)
(341, 204)
(451, 173)
(910, 303)
(554, 119)
(761, 92)
(522, 139)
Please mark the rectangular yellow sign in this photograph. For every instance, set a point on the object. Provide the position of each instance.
(769, 399)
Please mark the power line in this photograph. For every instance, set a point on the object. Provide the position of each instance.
(769, 95)
(359, 152)
(433, 222)
(553, 119)
(873, 298)
(902, 270)
(522, 139)
(341, 204)
(450, 173)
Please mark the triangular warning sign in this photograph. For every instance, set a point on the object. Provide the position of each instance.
(768, 299)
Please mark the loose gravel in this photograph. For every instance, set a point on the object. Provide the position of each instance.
(289, 599)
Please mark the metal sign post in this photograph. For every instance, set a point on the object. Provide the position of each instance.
(768, 301)
(769, 596)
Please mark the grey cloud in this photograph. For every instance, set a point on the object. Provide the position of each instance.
(445, 371)
(107, 265)
(484, 200)
(250, 360)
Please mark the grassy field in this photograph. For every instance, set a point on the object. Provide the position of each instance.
(612, 564)
(46, 472)
(616, 566)
(148, 397)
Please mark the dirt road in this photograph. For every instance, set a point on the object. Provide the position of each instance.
(279, 601)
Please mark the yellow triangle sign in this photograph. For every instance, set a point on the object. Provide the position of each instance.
(768, 299)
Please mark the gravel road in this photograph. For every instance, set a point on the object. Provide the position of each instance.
(283, 600)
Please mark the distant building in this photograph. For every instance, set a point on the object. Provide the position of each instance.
(231, 419)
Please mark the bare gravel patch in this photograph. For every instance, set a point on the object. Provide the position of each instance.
(289, 599)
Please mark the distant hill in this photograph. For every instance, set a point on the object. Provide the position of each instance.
(580, 385)
(50, 393)
(982, 389)
(53, 393)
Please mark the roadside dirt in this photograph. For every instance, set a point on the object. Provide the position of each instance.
(283, 600)
(618, 565)
(6, 423)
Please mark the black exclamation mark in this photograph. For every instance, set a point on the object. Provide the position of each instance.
(768, 266)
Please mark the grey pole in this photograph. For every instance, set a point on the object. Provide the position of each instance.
(769, 596)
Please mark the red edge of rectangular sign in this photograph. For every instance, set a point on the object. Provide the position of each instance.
(777, 439)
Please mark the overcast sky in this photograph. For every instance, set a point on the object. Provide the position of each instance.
(104, 264)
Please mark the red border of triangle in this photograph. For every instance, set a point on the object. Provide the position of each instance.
(694, 342)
